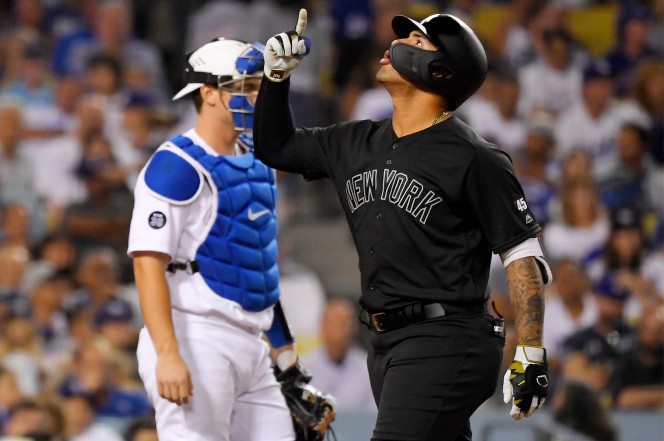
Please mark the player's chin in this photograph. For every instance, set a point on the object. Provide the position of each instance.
(386, 73)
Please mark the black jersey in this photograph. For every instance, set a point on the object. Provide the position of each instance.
(426, 210)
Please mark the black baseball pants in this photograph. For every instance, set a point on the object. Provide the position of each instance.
(428, 378)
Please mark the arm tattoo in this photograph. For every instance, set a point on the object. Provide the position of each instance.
(525, 287)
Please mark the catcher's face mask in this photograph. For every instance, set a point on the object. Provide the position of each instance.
(243, 100)
(230, 65)
(244, 92)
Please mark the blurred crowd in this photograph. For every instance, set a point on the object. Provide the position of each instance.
(574, 93)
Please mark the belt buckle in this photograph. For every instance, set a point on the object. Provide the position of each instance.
(376, 323)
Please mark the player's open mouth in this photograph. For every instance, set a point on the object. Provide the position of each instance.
(386, 58)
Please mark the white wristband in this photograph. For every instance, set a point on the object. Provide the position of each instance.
(286, 359)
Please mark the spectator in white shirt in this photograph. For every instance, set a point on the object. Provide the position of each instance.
(592, 124)
(632, 177)
(583, 226)
(79, 424)
(21, 354)
(339, 367)
(499, 122)
(570, 306)
(553, 83)
(483, 101)
(17, 182)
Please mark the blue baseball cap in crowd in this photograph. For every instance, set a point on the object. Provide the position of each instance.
(609, 288)
(72, 387)
(597, 69)
(140, 99)
(113, 311)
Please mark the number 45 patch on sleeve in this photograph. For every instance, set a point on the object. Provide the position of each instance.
(521, 204)
(523, 208)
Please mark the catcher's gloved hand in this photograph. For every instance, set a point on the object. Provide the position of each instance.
(312, 411)
(284, 51)
(526, 381)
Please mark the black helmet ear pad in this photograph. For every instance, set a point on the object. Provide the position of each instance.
(423, 67)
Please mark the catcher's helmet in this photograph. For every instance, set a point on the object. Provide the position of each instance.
(455, 70)
(220, 63)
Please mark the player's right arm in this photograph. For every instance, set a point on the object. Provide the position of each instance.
(162, 197)
(273, 122)
(173, 379)
(274, 128)
(276, 141)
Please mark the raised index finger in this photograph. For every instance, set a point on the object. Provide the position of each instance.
(301, 22)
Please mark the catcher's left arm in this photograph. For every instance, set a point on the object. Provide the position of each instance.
(312, 410)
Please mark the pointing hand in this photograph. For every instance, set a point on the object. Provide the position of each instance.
(284, 51)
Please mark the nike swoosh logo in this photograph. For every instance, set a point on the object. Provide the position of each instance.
(253, 216)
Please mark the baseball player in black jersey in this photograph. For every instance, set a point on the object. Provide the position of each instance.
(427, 201)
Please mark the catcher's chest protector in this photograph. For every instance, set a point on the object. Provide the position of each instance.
(238, 258)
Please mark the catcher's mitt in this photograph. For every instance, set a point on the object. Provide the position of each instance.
(312, 411)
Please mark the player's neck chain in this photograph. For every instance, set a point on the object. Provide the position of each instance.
(440, 118)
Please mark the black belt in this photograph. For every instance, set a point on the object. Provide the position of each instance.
(415, 313)
(190, 267)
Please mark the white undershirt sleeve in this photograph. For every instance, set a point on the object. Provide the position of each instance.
(156, 225)
(529, 248)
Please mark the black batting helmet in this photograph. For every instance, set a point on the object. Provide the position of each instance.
(455, 70)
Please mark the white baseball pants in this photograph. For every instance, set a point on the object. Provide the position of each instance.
(236, 397)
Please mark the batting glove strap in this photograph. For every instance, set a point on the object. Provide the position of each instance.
(526, 382)
(530, 354)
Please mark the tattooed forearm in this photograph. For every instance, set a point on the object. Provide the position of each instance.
(526, 288)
